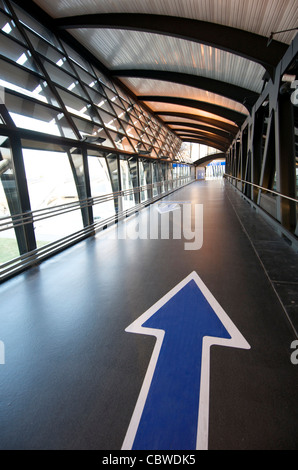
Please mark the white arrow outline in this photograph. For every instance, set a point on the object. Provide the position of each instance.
(236, 341)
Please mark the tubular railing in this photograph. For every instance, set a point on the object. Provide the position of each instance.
(31, 258)
(275, 193)
(283, 216)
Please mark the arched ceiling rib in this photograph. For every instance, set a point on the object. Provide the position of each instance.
(125, 49)
(233, 92)
(209, 158)
(180, 126)
(188, 117)
(258, 16)
(246, 44)
(226, 113)
(199, 66)
(193, 135)
(208, 142)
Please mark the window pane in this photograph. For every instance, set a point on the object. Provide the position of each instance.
(120, 112)
(35, 26)
(29, 115)
(92, 133)
(131, 132)
(18, 54)
(25, 83)
(64, 79)
(102, 103)
(87, 78)
(144, 194)
(103, 79)
(9, 202)
(144, 137)
(126, 181)
(51, 183)
(46, 50)
(155, 178)
(114, 125)
(112, 161)
(121, 93)
(75, 105)
(78, 59)
(8, 26)
(100, 184)
(133, 169)
(121, 142)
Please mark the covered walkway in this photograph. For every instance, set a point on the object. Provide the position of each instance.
(73, 375)
(142, 308)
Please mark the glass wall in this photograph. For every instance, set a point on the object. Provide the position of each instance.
(51, 183)
(50, 88)
(176, 174)
(133, 166)
(145, 179)
(77, 138)
(156, 178)
(9, 203)
(126, 183)
(100, 185)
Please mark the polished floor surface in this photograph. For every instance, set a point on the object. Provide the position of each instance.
(72, 375)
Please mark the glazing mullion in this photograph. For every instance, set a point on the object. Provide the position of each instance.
(26, 235)
(88, 184)
(81, 82)
(119, 121)
(52, 87)
(120, 130)
(142, 130)
(110, 87)
(9, 28)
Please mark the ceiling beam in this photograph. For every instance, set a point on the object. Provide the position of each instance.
(241, 95)
(200, 135)
(212, 130)
(227, 113)
(197, 118)
(209, 143)
(209, 158)
(248, 45)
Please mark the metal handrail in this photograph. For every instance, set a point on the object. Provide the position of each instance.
(17, 220)
(276, 193)
(33, 257)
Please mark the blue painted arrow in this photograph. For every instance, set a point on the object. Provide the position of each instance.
(167, 413)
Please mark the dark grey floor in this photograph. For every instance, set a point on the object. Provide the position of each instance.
(275, 253)
(72, 375)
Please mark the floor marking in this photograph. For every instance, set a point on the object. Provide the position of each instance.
(172, 410)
